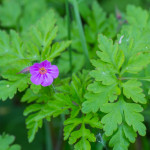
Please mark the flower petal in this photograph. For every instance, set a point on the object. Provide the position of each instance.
(34, 69)
(47, 80)
(45, 64)
(37, 79)
(53, 71)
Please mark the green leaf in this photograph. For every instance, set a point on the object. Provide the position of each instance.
(109, 52)
(9, 17)
(137, 63)
(43, 107)
(82, 135)
(12, 51)
(85, 136)
(134, 118)
(131, 89)
(70, 123)
(112, 119)
(132, 18)
(42, 35)
(83, 143)
(94, 102)
(129, 133)
(135, 45)
(92, 121)
(125, 119)
(30, 96)
(76, 65)
(10, 88)
(35, 88)
(12, 56)
(4, 43)
(118, 141)
(119, 58)
(102, 94)
(111, 91)
(35, 9)
(106, 49)
(6, 142)
(103, 72)
(35, 120)
(57, 48)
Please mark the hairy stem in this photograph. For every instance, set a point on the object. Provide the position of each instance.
(48, 136)
(137, 78)
(59, 141)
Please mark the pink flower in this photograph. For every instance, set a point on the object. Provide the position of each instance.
(43, 73)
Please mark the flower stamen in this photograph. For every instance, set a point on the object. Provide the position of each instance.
(42, 70)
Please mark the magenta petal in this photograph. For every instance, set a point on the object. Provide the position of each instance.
(34, 69)
(36, 79)
(53, 71)
(45, 64)
(47, 80)
(43, 78)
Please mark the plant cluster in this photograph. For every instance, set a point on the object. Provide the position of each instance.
(105, 99)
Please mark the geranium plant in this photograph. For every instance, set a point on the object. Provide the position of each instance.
(89, 70)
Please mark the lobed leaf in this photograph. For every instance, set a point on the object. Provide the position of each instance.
(6, 142)
(131, 89)
(134, 118)
(113, 117)
(118, 140)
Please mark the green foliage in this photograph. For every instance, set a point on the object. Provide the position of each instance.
(75, 127)
(83, 135)
(68, 99)
(139, 21)
(13, 61)
(35, 9)
(17, 53)
(95, 22)
(6, 142)
(110, 97)
(9, 17)
(19, 19)
(109, 93)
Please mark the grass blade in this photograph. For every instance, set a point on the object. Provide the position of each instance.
(81, 31)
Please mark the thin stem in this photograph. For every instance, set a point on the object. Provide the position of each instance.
(48, 136)
(81, 32)
(53, 88)
(59, 141)
(69, 33)
(137, 78)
